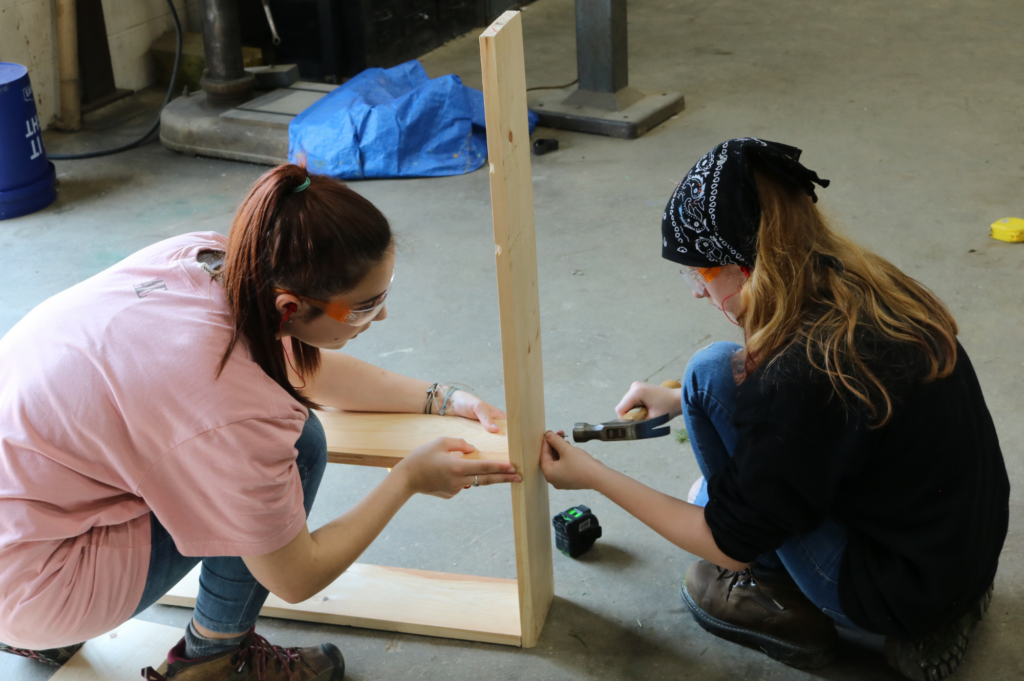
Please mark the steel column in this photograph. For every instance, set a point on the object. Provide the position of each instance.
(603, 101)
(601, 48)
(225, 79)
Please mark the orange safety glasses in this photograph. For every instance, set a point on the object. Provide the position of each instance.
(341, 313)
(699, 277)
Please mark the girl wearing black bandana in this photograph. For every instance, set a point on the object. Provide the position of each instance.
(852, 472)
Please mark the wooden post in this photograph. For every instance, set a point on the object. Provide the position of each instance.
(515, 250)
(67, 51)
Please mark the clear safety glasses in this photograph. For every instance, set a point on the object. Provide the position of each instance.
(699, 277)
(344, 314)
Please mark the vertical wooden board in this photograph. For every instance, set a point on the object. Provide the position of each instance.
(515, 248)
(121, 654)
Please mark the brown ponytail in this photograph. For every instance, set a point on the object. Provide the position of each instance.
(318, 242)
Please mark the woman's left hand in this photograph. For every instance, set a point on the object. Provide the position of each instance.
(469, 406)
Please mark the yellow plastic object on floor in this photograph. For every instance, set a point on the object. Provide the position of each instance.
(1008, 229)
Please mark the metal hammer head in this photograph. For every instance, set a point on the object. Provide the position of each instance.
(618, 430)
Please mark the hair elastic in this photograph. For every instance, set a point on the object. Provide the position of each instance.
(301, 186)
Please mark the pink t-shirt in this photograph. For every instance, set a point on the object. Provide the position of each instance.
(110, 408)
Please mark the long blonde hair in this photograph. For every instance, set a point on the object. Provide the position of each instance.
(816, 288)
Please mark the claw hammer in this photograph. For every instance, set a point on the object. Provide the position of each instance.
(634, 425)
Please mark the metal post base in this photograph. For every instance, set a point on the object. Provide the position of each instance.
(195, 126)
(598, 113)
(227, 92)
(255, 132)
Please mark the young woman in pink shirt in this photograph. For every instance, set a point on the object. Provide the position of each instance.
(159, 415)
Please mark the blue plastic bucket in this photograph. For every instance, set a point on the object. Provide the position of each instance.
(26, 176)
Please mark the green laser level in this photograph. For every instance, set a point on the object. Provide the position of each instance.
(576, 530)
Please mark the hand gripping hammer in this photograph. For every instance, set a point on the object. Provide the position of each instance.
(634, 425)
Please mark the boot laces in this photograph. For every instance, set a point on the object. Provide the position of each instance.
(260, 652)
(30, 654)
(743, 578)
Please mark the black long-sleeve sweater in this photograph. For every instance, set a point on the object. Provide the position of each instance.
(925, 497)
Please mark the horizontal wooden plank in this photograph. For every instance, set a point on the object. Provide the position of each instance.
(383, 440)
(398, 599)
(121, 654)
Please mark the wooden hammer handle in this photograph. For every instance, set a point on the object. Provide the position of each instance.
(640, 413)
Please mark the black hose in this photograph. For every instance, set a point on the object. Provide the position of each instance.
(156, 123)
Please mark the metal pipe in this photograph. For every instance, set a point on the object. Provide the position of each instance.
(225, 80)
(270, 20)
(222, 39)
(67, 48)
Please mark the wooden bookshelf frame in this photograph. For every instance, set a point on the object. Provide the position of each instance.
(505, 611)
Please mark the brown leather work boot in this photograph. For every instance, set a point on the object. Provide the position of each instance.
(770, 614)
(936, 657)
(255, 659)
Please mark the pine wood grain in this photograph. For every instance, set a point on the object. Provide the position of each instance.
(397, 599)
(383, 440)
(121, 654)
(515, 249)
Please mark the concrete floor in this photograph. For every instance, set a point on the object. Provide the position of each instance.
(913, 110)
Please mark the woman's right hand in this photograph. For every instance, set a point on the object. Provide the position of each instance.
(439, 469)
(566, 466)
(657, 399)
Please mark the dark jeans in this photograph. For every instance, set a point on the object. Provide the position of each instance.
(709, 400)
(229, 597)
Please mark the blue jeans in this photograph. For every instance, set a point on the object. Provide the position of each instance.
(230, 598)
(709, 400)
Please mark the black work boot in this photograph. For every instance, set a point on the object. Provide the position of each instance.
(255, 659)
(761, 610)
(54, 656)
(937, 656)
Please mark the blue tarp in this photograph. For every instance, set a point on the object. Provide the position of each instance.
(395, 122)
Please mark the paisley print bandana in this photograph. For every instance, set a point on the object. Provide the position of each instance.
(714, 214)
